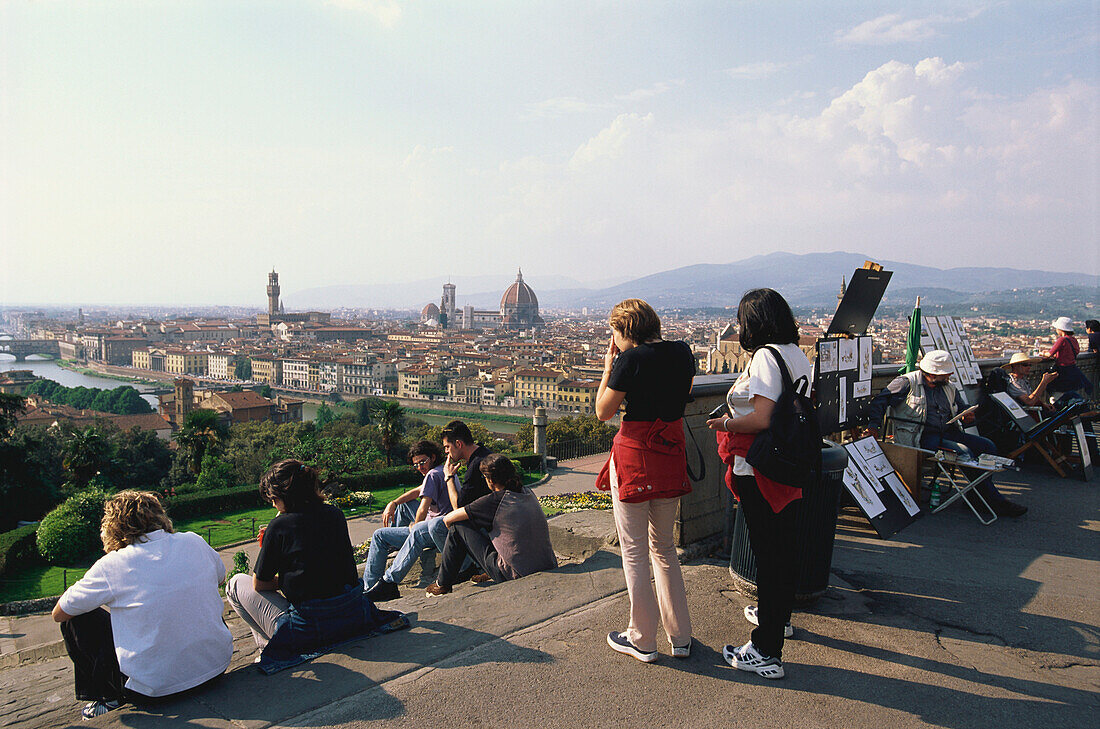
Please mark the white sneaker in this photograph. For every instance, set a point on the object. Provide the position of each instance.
(747, 658)
(750, 615)
(681, 651)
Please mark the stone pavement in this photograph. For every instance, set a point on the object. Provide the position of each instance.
(949, 623)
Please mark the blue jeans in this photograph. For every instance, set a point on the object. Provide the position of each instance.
(968, 446)
(408, 542)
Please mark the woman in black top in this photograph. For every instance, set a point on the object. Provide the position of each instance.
(306, 567)
(647, 473)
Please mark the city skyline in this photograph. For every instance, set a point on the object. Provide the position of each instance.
(168, 153)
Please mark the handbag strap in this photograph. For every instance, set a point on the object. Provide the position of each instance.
(702, 461)
(787, 382)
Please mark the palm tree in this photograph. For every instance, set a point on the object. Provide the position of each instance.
(391, 425)
(202, 432)
(86, 453)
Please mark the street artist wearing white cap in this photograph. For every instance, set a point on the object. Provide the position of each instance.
(1064, 353)
(920, 403)
(1018, 387)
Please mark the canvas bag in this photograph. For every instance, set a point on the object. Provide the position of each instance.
(789, 451)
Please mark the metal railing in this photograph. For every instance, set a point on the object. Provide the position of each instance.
(579, 447)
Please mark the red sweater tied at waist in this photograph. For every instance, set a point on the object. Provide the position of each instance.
(731, 445)
(650, 461)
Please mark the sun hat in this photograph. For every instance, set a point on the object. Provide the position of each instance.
(1063, 324)
(937, 362)
(1020, 358)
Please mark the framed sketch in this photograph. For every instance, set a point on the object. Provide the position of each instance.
(864, 358)
(865, 496)
(902, 493)
(861, 388)
(827, 356)
(848, 354)
(843, 404)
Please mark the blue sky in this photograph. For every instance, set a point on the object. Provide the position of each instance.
(163, 151)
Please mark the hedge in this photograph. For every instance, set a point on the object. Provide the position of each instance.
(383, 478)
(69, 535)
(531, 462)
(201, 503)
(17, 546)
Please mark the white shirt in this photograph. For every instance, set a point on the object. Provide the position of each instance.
(763, 377)
(166, 613)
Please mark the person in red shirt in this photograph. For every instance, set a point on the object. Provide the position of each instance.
(1071, 380)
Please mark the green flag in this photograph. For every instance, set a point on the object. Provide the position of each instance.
(912, 344)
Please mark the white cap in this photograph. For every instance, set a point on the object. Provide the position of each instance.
(937, 362)
(1063, 324)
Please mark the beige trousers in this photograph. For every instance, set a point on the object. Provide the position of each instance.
(649, 561)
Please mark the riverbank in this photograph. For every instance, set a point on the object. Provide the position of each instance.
(90, 371)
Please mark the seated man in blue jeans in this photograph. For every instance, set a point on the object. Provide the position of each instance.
(921, 402)
(411, 532)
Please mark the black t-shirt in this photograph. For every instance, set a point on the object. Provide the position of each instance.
(311, 553)
(656, 378)
(482, 511)
(473, 485)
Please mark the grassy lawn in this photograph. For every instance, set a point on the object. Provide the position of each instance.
(26, 582)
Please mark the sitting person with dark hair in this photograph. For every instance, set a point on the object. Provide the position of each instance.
(306, 554)
(505, 531)
(1092, 328)
(165, 632)
(409, 541)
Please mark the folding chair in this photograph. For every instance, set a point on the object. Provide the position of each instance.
(1039, 435)
(945, 464)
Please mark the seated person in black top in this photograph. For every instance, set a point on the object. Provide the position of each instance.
(458, 444)
(505, 531)
(306, 567)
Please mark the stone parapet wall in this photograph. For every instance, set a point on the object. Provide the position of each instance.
(703, 512)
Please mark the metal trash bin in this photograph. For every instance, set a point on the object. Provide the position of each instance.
(816, 529)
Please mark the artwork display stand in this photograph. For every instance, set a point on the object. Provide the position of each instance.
(877, 488)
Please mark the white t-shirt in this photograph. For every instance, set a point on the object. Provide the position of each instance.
(763, 377)
(166, 613)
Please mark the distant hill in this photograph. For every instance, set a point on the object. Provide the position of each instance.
(806, 280)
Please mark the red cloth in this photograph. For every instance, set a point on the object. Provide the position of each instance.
(730, 445)
(650, 461)
(1065, 350)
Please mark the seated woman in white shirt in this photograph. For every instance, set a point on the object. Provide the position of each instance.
(164, 633)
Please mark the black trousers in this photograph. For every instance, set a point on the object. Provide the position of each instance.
(774, 541)
(464, 539)
(91, 646)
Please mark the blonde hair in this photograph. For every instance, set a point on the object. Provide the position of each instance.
(130, 515)
(636, 320)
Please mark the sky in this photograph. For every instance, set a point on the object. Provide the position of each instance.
(160, 151)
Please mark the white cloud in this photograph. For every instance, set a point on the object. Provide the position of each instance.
(649, 92)
(895, 28)
(758, 70)
(386, 12)
(611, 142)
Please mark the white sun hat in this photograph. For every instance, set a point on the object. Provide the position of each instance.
(1063, 324)
(937, 362)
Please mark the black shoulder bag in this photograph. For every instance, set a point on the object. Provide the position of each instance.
(789, 451)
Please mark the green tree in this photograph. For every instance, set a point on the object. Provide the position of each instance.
(202, 432)
(214, 474)
(87, 452)
(391, 426)
(324, 416)
(30, 470)
(11, 407)
(525, 438)
(142, 457)
(265, 391)
(242, 370)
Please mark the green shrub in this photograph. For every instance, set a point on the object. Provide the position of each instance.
(530, 462)
(383, 478)
(240, 565)
(69, 535)
(17, 546)
(201, 503)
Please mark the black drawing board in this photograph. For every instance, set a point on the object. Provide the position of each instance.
(877, 489)
(842, 381)
(860, 301)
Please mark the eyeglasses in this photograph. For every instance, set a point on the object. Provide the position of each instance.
(421, 462)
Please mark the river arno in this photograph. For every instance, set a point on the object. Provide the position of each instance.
(49, 369)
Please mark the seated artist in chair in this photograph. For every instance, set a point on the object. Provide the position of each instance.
(920, 404)
(1018, 386)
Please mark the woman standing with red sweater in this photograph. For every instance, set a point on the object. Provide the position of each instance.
(647, 473)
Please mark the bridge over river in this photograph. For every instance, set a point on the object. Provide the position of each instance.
(23, 348)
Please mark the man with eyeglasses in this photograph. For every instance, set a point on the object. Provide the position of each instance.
(408, 530)
(921, 403)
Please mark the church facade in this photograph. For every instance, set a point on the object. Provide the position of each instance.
(519, 309)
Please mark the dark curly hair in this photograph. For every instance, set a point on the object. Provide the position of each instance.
(295, 483)
(501, 471)
(764, 317)
(427, 448)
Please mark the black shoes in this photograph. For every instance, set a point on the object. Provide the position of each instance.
(383, 591)
(1008, 508)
